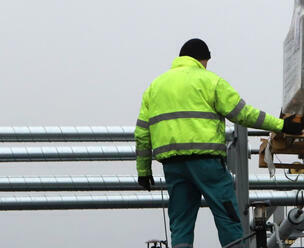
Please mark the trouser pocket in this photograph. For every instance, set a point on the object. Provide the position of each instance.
(231, 211)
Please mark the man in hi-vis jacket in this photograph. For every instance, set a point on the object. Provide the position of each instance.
(182, 120)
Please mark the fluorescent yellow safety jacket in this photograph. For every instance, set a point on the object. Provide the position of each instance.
(183, 112)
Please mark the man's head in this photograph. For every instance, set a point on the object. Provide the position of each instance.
(196, 48)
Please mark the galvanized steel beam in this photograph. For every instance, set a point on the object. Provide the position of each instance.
(80, 134)
(279, 182)
(74, 183)
(121, 201)
(66, 153)
(122, 183)
(66, 134)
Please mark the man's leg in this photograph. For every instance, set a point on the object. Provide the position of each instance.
(184, 202)
(216, 185)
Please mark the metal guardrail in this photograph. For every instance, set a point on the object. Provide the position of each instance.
(254, 151)
(258, 133)
(74, 134)
(80, 134)
(123, 183)
(65, 153)
(279, 182)
(66, 134)
(68, 153)
(121, 201)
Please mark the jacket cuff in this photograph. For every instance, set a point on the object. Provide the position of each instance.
(144, 173)
(143, 166)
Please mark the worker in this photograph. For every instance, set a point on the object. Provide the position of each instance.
(182, 120)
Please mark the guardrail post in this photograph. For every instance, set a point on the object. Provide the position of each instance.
(237, 162)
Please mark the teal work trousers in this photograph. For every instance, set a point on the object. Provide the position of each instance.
(187, 181)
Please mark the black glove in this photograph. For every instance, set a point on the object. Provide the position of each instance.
(146, 182)
(292, 127)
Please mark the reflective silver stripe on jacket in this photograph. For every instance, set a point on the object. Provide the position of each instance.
(236, 110)
(142, 124)
(184, 114)
(260, 120)
(189, 146)
(182, 245)
(144, 153)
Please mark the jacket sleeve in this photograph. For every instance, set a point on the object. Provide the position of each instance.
(143, 140)
(229, 104)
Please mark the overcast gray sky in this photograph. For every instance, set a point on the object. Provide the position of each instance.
(65, 62)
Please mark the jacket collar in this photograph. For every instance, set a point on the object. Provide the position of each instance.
(186, 61)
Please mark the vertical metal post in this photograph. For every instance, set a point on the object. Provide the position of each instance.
(231, 153)
(237, 162)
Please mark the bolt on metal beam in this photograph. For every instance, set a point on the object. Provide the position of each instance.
(121, 201)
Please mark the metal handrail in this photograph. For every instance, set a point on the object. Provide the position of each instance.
(121, 201)
(67, 153)
(66, 134)
(80, 134)
(122, 183)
